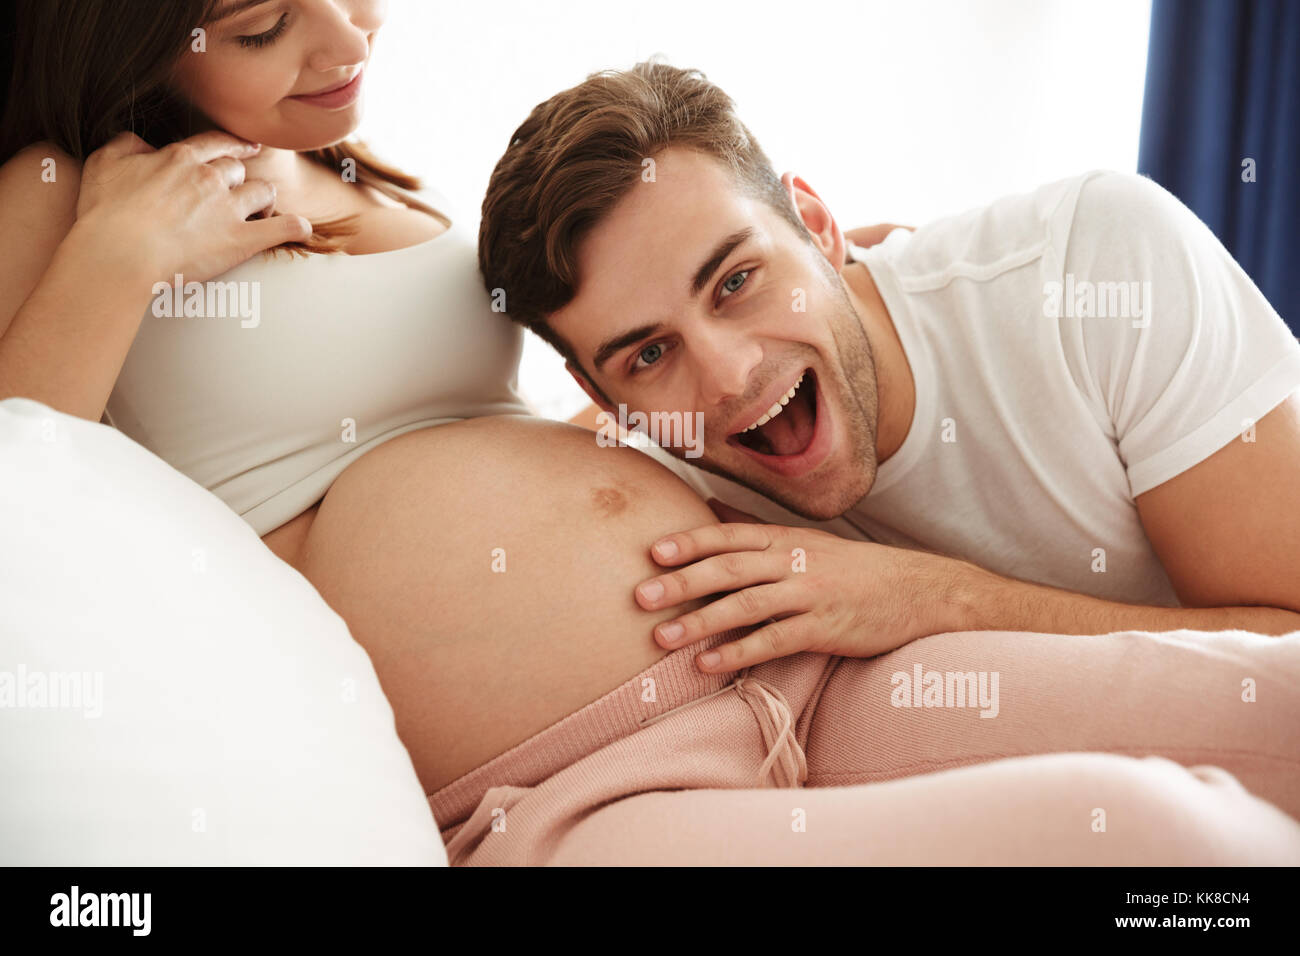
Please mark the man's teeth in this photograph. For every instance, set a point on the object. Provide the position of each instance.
(776, 407)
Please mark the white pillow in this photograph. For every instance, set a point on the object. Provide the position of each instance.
(238, 722)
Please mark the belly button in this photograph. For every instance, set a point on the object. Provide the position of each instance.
(609, 500)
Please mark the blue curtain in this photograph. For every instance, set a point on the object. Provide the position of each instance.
(1223, 87)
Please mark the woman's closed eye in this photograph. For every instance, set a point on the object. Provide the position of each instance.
(268, 37)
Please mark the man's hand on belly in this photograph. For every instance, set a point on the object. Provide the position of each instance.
(811, 590)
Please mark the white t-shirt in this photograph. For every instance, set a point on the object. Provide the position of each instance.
(1034, 429)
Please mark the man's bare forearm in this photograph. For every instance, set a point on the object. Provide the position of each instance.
(974, 599)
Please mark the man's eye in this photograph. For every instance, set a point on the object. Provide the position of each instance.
(650, 354)
(734, 282)
(267, 38)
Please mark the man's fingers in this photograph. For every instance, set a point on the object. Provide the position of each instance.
(723, 572)
(711, 539)
(779, 639)
(745, 607)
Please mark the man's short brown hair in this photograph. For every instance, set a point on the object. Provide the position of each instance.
(578, 154)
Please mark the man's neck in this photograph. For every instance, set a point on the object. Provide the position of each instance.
(895, 384)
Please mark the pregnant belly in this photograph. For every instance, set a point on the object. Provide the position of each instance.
(487, 567)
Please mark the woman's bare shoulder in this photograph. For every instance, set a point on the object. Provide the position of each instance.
(40, 177)
(39, 186)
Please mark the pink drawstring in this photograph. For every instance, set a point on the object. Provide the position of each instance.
(785, 763)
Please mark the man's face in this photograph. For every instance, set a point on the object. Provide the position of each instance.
(696, 298)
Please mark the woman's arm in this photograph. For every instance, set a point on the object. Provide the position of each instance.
(865, 236)
(38, 196)
(102, 236)
(66, 344)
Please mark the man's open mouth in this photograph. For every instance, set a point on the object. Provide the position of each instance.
(788, 426)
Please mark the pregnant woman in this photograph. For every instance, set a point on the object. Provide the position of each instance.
(193, 253)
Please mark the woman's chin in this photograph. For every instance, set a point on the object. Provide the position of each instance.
(321, 136)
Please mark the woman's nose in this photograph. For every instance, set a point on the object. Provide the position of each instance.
(343, 37)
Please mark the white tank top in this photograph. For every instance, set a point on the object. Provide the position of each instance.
(309, 363)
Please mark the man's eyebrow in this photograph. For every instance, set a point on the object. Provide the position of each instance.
(719, 255)
(611, 347)
(236, 6)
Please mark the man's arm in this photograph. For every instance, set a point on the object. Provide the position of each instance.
(982, 601)
(991, 602)
(1227, 531)
(861, 599)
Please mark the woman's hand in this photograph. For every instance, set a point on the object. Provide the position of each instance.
(180, 209)
(865, 236)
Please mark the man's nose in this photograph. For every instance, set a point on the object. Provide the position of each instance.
(726, 360)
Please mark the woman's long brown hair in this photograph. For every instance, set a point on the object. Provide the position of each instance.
(83, 71)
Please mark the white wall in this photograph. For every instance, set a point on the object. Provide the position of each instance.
(895, 111)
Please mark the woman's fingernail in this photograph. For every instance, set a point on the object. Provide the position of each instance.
(651, 590)
(710, 658)
(666, 548)
(670, 632)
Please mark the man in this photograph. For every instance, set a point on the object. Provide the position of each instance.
(1069, 411)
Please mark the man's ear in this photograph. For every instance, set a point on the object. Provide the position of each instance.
(817, 218)
(593, 393)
